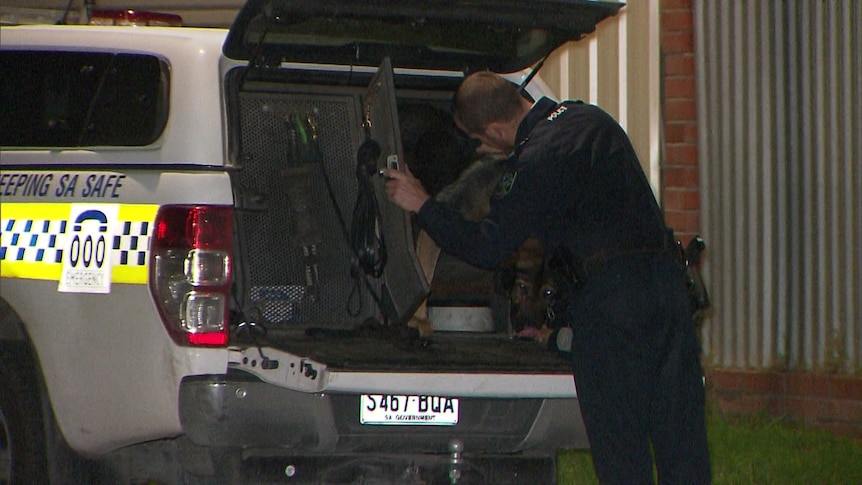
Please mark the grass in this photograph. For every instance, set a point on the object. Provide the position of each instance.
(756, 450)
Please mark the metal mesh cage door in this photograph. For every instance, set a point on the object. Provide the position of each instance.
(296, 260)
(403, 282)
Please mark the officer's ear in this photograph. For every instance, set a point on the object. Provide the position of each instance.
(497, 131)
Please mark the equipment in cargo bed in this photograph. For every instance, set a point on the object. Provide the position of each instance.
(301, 186)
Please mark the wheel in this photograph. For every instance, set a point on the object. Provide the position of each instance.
(22, 437)
(5, 451)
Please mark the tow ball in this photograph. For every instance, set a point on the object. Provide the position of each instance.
(456, 462)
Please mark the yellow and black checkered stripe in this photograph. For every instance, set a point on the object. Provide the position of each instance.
(33, 238)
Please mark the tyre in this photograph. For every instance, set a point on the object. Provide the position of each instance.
(22, 438)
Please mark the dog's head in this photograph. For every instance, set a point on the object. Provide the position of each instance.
(531, 288)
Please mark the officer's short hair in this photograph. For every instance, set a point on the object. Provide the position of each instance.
(485, 97)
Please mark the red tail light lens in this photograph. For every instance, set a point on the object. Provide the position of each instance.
(134, 18)
(190, 272)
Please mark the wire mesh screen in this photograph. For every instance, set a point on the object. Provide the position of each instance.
(405, 285)
(297, 261)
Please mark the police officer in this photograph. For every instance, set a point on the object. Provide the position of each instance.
(575, 182)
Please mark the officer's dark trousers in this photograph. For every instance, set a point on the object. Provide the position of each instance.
(637, 372)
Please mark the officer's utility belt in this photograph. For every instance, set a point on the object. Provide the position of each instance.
(570, 272)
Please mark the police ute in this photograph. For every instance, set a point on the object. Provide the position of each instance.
(203, 280)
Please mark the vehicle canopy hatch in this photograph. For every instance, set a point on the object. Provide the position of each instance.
(452, 35)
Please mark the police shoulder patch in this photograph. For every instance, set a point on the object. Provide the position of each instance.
(505, 184)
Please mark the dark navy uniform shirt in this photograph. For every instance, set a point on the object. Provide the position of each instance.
(574, 181)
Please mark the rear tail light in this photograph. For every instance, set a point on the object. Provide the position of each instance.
(134, 18)
(190, 272)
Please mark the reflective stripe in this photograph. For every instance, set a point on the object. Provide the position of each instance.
(34, 238)
(32, 271)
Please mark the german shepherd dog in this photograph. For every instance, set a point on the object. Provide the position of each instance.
(522, 276)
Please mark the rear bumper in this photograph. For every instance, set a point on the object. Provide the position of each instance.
(240, 411)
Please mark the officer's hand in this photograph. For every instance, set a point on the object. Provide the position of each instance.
(404, 189)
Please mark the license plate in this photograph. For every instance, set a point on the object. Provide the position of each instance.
(379, 409)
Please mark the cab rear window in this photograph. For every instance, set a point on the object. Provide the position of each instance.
(54, 99)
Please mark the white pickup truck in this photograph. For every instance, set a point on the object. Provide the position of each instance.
(202, 282)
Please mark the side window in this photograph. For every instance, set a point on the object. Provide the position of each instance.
(73, 99)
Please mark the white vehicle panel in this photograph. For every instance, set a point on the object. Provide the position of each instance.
(96, 379)
(105, 356)
(194, 133)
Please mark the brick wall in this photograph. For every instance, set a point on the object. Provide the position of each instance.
(829, 401)
(680, 192)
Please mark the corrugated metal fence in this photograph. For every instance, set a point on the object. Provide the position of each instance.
(780, 139)
(618, 68)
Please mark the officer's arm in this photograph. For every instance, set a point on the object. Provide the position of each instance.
(481, 244)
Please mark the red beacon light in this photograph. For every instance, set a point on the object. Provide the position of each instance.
(134, 18)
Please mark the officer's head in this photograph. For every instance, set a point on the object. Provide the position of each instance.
(490, 108)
